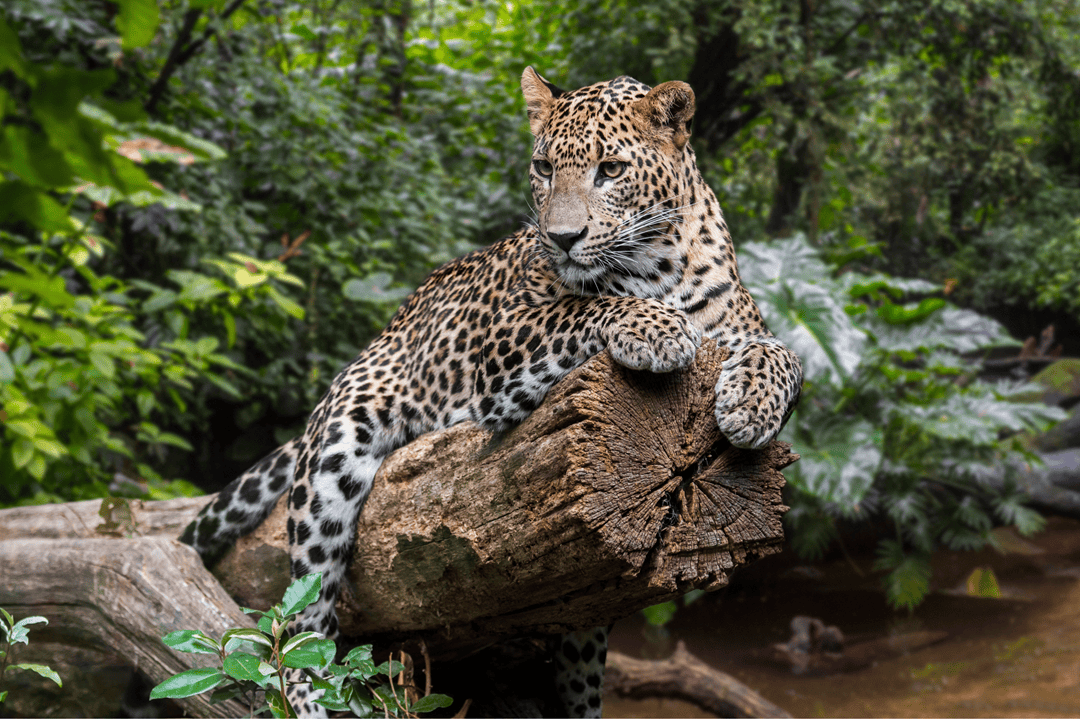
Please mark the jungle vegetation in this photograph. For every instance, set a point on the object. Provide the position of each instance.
(208, 206)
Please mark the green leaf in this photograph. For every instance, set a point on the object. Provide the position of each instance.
(315, 654)
(285, 303)
(7, 369)
(279, 707)
(982, 582)
(244, 667)
(29, 155)
(201, 149)
(804, 307)
(248, 635)
(189, 683)
(22, 451)
(660, 614)
(908, 580)
(28, 621)
(41, 669)
(839, 460)
(19, 201)
(430, 703)
(137, 21)
(301, 593)
(910, 313)
(191, 641)
(373, 288)
(11, 56)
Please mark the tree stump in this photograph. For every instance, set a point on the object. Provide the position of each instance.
(618, 492)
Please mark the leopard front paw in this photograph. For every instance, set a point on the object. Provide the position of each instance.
(659, 341)
(758, 387)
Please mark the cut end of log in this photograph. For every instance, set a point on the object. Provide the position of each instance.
(618, 492)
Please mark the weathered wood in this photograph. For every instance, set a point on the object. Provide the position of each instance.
(166, 518)
(684, 676)
(109, 601)
(618, 492)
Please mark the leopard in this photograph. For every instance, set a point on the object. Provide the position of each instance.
(627, 251)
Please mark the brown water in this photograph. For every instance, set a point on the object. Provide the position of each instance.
(1017, 656)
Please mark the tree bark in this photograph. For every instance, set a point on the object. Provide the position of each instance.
(618, 492)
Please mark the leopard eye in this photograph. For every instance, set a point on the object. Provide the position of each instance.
(543, 167)
(612, 169)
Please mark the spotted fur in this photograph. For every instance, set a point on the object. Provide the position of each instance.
(629, 252)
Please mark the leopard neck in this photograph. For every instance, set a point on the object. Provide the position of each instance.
(709, 272)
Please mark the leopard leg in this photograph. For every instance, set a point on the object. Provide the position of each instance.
(341, 454)
(579, 671)
(756, 392)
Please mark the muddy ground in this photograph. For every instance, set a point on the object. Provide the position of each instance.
(1016, 656)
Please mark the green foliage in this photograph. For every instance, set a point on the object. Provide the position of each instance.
(254, 664)
(892, 421)
(1029, 259)
(207, 208)
(91, 364)
(11, 633)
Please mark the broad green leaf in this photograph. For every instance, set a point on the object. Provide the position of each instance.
(299, 640)
(201, 149)
(910, 313)
(840, 461)
(137, 21)
(279, 706)
(29, 155)
(390, 668)
(191, 641)
(982, 582)
(19, 201)
(430, 703)
(189, 683)
(952, 328)
(301, 593)
(244, 667)
(316, 654)
(22, 451)
(909, 583)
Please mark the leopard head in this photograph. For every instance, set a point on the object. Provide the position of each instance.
(611, 172)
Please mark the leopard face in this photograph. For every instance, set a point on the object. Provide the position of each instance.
(610, 173)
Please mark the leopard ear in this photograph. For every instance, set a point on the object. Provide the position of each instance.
(668, 110)
(538, 94)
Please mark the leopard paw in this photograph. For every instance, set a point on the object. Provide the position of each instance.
(660, 341)
(757, 389)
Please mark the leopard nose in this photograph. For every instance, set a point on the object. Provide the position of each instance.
(566, 240)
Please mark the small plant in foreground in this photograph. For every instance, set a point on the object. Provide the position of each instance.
(12, 632)
(254, 664)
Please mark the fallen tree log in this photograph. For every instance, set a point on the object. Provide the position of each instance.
(617, 493)
(684, 676)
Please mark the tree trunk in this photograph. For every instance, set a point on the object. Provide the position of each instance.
(617, 493)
